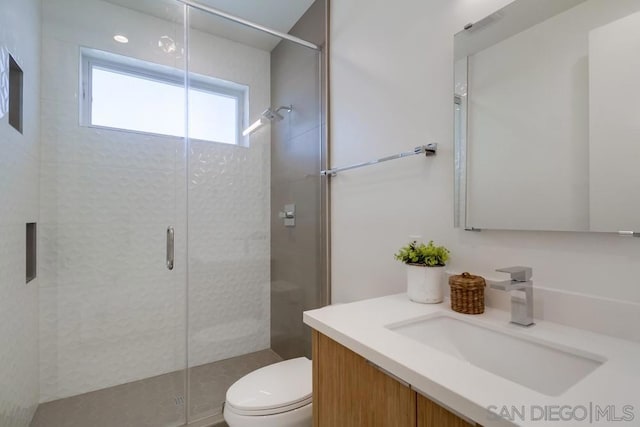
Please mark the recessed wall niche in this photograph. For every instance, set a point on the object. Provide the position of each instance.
(16, 81)
(32, 251)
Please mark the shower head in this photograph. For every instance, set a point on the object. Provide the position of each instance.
(273, 115)
(269, 115)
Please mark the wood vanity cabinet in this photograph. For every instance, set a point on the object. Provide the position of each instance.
(349, 391)
(430, 414)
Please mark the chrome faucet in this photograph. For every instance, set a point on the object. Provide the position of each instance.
(521, 306)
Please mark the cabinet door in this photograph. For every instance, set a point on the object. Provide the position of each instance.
(350, 392)
(431, 414)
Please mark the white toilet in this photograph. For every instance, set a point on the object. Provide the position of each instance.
(277, 395)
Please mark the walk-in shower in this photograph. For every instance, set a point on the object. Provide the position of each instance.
(165, 272)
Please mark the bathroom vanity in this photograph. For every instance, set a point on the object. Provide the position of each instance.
(349, 390)
(390, 362)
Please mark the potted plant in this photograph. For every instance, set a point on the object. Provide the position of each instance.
(425, 271)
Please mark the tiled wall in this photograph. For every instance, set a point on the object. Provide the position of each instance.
(296, 253)
(110, 311)
(19, 187)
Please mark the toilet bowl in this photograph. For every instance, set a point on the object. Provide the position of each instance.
(277, 395)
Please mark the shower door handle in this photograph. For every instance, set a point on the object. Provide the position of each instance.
(170, 247)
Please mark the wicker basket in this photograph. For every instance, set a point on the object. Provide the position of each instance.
(467, 293)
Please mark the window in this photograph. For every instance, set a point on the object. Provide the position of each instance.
(128, 94)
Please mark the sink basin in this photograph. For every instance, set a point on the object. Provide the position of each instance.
(544, 367)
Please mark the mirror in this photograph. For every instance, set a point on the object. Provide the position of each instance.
(547, 115)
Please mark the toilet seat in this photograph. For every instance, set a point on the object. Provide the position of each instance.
(274, 389)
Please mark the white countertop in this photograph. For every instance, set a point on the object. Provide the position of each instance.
(469, 390)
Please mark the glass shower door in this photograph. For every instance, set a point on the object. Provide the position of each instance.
(112, 282)
(229, 210)
(254, 146)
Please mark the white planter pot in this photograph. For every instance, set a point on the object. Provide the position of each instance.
(424, 284)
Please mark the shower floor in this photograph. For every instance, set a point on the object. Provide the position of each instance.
(153, 402)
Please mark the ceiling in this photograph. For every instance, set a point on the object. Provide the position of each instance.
(280, 15)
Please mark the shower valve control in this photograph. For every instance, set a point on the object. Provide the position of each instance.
(288, 215)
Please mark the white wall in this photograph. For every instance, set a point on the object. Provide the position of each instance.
(392, 85)
(19, 187)
(110, 311)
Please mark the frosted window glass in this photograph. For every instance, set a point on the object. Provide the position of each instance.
(135, 103)
(213, 117)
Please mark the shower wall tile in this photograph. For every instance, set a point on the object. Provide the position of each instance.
(229, 308)
(19, 332)
(65, 57)
(18, 178)
(19, 200)
(89, 194)
(110, 311)
(296, 253)
(96, 335)
(228, 251)
(102, 254)
(298, 157)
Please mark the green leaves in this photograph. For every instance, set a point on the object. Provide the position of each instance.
(429, 255)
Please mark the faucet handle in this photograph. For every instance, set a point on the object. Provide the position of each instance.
(518, 274)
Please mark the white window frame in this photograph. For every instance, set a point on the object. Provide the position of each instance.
(91, 58)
